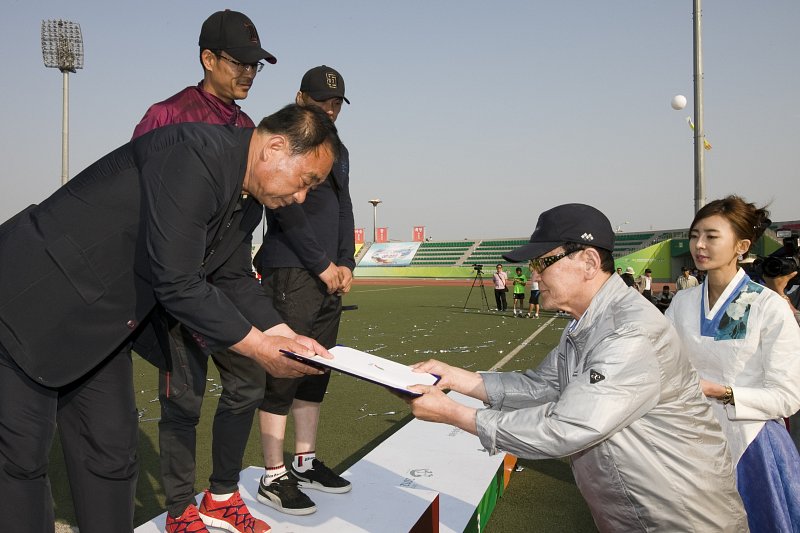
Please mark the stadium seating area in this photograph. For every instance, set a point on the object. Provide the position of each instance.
(445, 253)
(490, 251)
(627, 243)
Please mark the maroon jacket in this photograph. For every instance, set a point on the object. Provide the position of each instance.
(192, 104)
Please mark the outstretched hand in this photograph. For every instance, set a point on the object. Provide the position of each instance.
(265, 349)
(454, 378)
(435, 406)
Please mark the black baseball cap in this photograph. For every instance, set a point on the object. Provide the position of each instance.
(578, 223)
(236, 34)
(323, 83)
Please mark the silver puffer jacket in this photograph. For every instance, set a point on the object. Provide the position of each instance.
(620, 399)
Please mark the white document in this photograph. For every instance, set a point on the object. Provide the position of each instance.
(369, 367)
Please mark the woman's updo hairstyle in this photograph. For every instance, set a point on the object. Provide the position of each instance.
(748, 221)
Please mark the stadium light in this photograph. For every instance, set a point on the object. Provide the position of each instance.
(375, 203)
(62, 48)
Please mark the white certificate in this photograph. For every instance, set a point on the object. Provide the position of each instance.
(369, 367)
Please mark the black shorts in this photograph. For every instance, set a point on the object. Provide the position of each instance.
(303, 302)
(519, 296)
(534, 298)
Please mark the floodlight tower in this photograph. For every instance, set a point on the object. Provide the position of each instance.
(375, 203)
(62, 48)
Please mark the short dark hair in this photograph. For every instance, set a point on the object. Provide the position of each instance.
(307, 128)
(606, 259)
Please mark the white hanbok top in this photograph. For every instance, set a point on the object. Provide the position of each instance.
(749, 341)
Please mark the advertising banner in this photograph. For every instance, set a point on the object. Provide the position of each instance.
(390, 254)
(381, 234)
(419, 234)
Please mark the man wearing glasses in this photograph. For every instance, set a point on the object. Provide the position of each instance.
(231, 56)
(617, 396)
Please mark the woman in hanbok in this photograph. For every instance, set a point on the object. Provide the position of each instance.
(745, 344)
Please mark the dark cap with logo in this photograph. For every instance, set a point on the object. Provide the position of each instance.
(236, 34)
(577, 223)
(323, 83)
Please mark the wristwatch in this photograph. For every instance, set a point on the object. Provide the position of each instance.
(727, 398)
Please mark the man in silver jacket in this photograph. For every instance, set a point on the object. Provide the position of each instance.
(617, 395)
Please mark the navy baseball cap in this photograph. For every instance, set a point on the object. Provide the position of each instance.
(578, 223)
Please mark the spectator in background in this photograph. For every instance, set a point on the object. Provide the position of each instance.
(617, 396)
(619, 271)
(790, 292)
(519, 280)
(664, 298)
(628, 278)
(645, 284)
(500, 280)
(699, 274)
(743, 341)
(307, 263)
(685, 280)
(534, 299)
(787, 290)
(231, 56)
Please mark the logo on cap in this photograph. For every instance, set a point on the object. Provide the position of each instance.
(587, 237)
(251, 29)
(331, 79)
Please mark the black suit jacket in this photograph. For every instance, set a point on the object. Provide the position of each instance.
(148, 224)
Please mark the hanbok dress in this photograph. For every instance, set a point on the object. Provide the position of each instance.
(750, 341)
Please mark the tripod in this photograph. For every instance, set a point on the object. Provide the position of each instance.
(477, 281)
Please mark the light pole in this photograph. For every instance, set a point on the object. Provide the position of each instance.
(62, 48)
(699, 133)
(375, 203)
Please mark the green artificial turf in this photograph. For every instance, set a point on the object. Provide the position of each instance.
(407, 324)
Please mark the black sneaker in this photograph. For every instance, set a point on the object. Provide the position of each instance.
(320, 477)
(284, 495)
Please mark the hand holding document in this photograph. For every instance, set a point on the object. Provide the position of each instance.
(370, 367)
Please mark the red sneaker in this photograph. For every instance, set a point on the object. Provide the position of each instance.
(232, 514)
(188, 522)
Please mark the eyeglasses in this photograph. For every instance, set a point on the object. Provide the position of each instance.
(242, 67)
(541, 263)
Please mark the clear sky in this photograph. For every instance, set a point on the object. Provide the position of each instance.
(467, 117)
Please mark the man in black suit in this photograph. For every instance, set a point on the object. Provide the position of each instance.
(84, 273)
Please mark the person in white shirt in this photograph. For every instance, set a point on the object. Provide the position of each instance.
(500, 280)
(534, 300)
(743, 340)
(645, 284)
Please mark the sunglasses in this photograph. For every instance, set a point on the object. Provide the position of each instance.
(541, 263)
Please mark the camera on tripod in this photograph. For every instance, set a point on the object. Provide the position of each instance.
(783, 261)
(477, 268)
